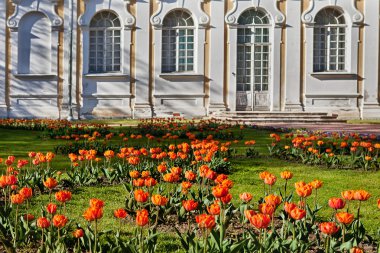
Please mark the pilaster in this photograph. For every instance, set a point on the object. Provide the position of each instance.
(217, 57)
(142, 106)
(3, 59)
(293, 57)
(371, 106)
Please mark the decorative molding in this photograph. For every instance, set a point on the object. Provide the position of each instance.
(47, 7)
(201, 17)
(239, 6)
(204, 19)
(126, 18)
(155, 20)
(130, 20)
(230, 17)
(349, 9)
(307, 17)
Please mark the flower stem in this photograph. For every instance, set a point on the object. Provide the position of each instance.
(15, 238)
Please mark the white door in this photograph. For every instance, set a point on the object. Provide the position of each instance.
(252, 73)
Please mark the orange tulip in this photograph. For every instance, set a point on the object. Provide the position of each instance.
(51, 208)
(348, 195)
(205, 221)
(150, 181)
(43, 222)
(63, 196)
(297, 213)
(356, 250)
(120, 213)
(304, 191)
(141, 196)
(59, 221)
(98, 203)
(378, 203)
(286, 175)
(345, 218)
(361, 195)
(27, 193)
(226, 199)
(142, 217)
(267, 208)
(264, 174)
(273, 200)
(336, 203)
(17, 199)
(219, 191)
(139, 182)
(50, 183)
(190, 205)
(249, 213)
(93, 213)
(28, 217)
(260, 221)
(214, 209)
(328, 228)
(159, 200)
(191, 176)
(270, 179)
(227, 183)
(134, 174)
(288, 207)
(245, 197)
(145, 174)
(316, 184)
(78, 233)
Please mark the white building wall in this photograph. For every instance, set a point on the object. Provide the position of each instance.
(107, 94)
(180, 92)
(34, 88)
(333, 91)
(371, 107)
(34, 92)
(3, 13)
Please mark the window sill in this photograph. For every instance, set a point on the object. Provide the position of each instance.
(328, 75)
(106, 75)
(181, 76)
(32, 76)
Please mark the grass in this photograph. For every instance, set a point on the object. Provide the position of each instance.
(358, 121)
(245, 175)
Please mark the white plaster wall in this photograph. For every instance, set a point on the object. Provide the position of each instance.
(34, 80)
(371, 107)
(107, 94)
(180, 92)
(3, 106)
(337, 92)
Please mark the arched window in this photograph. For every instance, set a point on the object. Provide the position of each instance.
(253, 46)
(105, 52)
(329, 41)
(178, 42)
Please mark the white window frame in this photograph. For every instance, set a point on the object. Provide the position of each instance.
(167, 33)
(327, 51)
(103, 43)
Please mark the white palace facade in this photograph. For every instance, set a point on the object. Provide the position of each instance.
(142, 58)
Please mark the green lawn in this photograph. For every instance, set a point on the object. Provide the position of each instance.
(245, 175)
